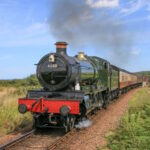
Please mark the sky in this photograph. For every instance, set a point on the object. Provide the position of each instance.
(25, 34)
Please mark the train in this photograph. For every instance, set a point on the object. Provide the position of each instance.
(72, 87)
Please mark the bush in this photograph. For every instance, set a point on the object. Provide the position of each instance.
(29, 81)
(134, 129)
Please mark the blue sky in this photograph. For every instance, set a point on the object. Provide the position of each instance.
(25, 33)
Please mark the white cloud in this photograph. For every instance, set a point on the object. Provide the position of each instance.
(135, 52)
(103, 3)
(133, 6)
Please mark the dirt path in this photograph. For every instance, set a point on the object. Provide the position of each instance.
(106, 120)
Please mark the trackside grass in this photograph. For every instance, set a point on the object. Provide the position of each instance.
(134, 129)
(10, 91)
(10, 118)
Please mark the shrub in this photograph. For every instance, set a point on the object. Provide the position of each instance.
(29, 81)
(134, 129)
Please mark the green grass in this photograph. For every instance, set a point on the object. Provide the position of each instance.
(134, 130)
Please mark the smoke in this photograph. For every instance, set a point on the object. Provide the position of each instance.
(85, 123)
(81, 25)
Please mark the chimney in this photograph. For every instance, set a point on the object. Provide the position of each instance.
(61, 48)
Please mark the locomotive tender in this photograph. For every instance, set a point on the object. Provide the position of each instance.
(73, 87)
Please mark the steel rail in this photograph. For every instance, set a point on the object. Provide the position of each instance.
(16, 140)
(61, 140)
(70, 134)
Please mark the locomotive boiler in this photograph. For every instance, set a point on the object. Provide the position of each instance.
(72, 88)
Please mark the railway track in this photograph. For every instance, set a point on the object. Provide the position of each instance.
(39, 141)
(57, 143)
(16, 140)
(35, 139)
(68, 137)
(21, 143)
(42, 140)
(61, 143)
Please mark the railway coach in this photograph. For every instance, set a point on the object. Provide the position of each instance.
(129, 81)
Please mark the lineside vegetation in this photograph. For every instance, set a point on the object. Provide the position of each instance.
(10, 90)
(26, 82)
(134, 129)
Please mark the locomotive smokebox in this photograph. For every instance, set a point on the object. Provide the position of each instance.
(57, 71)
(61, 48)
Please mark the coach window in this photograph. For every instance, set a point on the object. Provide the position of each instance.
(108, 66)
(105, 65)
(110, 71)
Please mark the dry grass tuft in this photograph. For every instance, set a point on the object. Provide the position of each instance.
(10, 118)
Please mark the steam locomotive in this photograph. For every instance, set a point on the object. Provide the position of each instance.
(73, 87)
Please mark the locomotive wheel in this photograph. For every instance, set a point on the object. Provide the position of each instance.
(35, 123)
(105, 106)
(106, 100)
(66, 125)
(69, 123)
